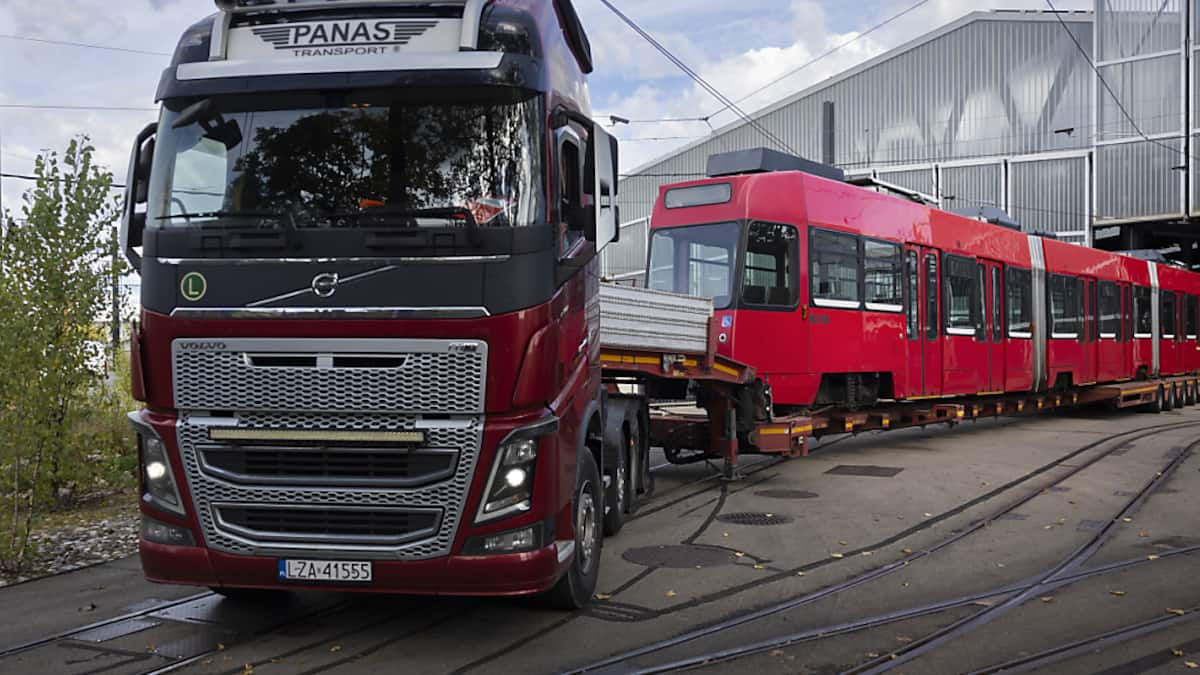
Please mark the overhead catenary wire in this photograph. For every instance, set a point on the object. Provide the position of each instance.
(704, 84)
(828, 52)
(82, 45)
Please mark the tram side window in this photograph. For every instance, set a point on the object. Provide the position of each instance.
(834, 269)
(913, 308)
(962, 296)
(1110, 311)
(1192, 317)
(1019, 290)
(1142, 313)
(1064, 306)
(772, 254)
(1168, 315)
(883, 274)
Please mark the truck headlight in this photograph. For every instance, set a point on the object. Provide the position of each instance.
(509, 488)
(159, 488)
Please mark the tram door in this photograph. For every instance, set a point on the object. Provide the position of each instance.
(993, 325)
(924, 322)
(1089, 334)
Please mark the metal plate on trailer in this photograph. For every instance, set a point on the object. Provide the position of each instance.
(865, 470)
(113, 631)
(642, 319)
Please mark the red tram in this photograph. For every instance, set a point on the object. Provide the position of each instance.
(841, 295)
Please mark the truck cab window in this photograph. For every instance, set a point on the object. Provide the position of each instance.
(570, 191)
(772, 256)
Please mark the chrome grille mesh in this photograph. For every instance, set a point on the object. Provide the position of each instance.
(437, 376)
(449, 495)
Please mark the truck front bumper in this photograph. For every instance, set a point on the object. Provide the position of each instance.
(493, 575)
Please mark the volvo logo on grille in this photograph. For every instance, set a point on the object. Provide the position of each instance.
(203, 346)
(325, 285)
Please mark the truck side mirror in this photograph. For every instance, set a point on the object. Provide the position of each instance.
(137, 190)
(600, 179)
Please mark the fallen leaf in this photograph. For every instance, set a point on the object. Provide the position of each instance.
(770, 515)
(740, 554)
(866, 553)
(1127, 520)
(903, 638)
(1048, 527)
(760, 566)
(602, 596)
(928, 515)
(799, 574)
(1047, 599)
(842, 543)
(1151, 557)
(1191, 664)
(906, 551)
(1119, 594)
(1143, 535)
(1062, 521)
(671, 594)
(248, 669)
(335, 649)
(837, 555)
(985, 483)
(905, 584)
(999, 564)
(724, 534)
(1178, 612)
(1176, 652)
(220, 647)
(873, 655)
(776, 652)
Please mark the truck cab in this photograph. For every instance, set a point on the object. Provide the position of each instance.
(367, 233)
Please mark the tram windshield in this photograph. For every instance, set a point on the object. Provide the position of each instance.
(695, 260)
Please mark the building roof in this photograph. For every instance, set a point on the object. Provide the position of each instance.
(1005, 15)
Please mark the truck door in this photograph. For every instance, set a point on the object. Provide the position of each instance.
(994, 326)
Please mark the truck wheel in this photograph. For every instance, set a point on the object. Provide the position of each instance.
(1157, 405)
(616, 495)
(574, 590)
(1169, 401)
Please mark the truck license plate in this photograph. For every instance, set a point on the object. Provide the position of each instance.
(324, 570)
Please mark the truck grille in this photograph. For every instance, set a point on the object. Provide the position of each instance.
(281, 478)
(344, 375)
(339, 467)
(322, 524)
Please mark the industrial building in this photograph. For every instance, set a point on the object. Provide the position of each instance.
(1001, 109)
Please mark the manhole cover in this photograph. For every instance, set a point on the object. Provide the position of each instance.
(678, 556)
(787, 494)
(870, 471)
(750, 518)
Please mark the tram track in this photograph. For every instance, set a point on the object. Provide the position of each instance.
(1125, 438)
(1081, 555)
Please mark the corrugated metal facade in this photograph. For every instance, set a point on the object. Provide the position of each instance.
(991, 85)
(1141, 163)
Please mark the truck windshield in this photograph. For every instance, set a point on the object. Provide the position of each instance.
(347, 161)
(695, 260)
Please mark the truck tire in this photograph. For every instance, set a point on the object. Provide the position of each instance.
(574, 590)
(616, 494)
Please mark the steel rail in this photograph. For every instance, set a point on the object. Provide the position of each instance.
(1081, 554)
(871, 575)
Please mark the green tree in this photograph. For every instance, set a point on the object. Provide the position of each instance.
(56, 269)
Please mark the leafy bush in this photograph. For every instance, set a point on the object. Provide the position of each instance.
(61, 403)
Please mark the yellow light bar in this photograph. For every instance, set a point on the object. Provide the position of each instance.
(227, 434)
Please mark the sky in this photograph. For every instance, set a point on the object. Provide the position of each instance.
(738, 47)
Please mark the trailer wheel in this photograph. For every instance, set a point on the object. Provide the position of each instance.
(574, 590)
(1156, 406)
(616, 494)
(1169, 401)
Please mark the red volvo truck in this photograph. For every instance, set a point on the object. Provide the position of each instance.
(367, 233)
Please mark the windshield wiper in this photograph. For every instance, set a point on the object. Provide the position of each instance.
(222, 214)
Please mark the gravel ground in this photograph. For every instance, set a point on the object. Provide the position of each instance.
(70, 541)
